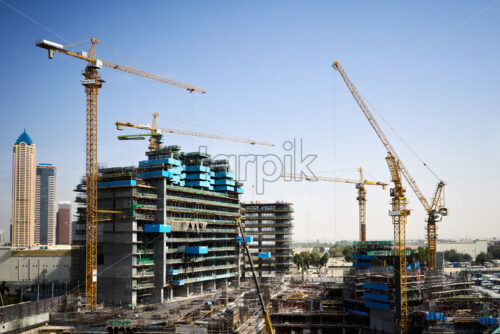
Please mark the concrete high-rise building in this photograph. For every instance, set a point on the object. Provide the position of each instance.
(64, 223)
(270, 225)
(23, 192)
(176, 234)
(45, 205)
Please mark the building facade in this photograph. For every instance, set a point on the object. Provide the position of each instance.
(45, 205)
(270, 225)
(25, 266)
(473, 248)
(63, 234)
(177, 235)
(23, 192)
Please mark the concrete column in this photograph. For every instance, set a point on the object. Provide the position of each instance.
(160, 244)
(187, 291)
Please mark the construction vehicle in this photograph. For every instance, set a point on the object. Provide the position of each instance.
(399, 211)
(360, 185)
(156, 134)
(92, 82)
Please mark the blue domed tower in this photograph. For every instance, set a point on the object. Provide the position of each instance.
(23, 192)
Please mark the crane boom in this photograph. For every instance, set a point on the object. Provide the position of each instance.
(360, 185)
(332, 179)
(156, 134)
(206, 135)
(354, 91)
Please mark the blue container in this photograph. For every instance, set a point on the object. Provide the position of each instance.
(248, 238)
(197, 168)
(167, 161)
(178, 282)
(156, 228)
(375, 286)
(196, 250)
(156, 173)
(172, 272)
(120, 183)
(264, 255)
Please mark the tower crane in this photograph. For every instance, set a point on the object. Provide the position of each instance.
(399, 212)
(360, 185)
(92, 83)
(435, 209)
(155, 135)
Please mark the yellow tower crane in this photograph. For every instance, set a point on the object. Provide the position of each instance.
(156, 134)
(399, 211)
(360, 185)
(92, 82)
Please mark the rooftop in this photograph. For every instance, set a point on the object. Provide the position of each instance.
(24, 138)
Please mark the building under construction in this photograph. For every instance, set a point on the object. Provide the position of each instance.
(270, 227)
(170, 230)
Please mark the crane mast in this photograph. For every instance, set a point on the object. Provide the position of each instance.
(434, 210)
(360, 185)
(92, 83)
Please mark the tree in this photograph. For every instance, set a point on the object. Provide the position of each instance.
(297, 260)
(314, 258)
(422, 254)
(484, 257)
(453, 256)
(494, 251)
(323, 260)
(348, 252)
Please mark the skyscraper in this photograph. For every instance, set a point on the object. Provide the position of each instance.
(23, 191)
(63, 223)
(45, 205)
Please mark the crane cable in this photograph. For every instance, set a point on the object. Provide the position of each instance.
(401, 138)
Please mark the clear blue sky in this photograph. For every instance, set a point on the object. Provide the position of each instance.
(430, 68)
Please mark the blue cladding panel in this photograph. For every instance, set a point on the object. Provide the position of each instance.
(179, 282)
(357, 312)
(156, 228)
(264, 255)
(376, 296)
(172, 271)
(197, 168)
(239, 190)
(225, 182)
(198, 176)
(198, 184)
(362, 257)
(248, 238)
(223, 188)
(117, 183)
(168, 161)
(156, 173)
(176, 170)
(196, 250)
(378, 306)
(375, 286)
(224, 174)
